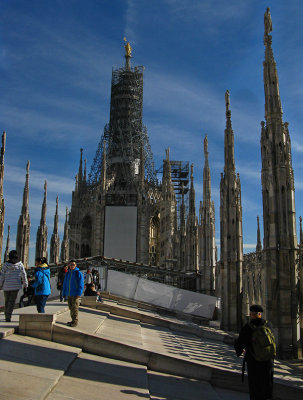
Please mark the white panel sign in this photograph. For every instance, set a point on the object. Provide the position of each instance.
(162, 295)
(122, 284)
(120, 233)
(155, 293)
(195, 303)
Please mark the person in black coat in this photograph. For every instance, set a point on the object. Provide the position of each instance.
(60, 281)
(260, 373)
(90, 290)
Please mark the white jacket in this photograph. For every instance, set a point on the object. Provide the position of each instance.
(13, 276)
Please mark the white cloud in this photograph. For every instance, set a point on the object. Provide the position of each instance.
(249, 171)
(55, 183)
(130, 19)
(213, 13)
(297, 147)
(249, 246)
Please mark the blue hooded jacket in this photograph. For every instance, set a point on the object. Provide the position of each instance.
(42, 281)
(73, 284)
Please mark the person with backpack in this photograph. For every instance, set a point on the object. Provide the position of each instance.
(257, 342)
(12, 278)
(42, 283)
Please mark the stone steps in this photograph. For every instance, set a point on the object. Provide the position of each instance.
(168, 347)
(35, 369)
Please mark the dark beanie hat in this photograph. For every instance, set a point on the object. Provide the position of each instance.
(256, 308)
(13, 255)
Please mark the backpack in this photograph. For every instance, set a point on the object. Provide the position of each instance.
(263, 342)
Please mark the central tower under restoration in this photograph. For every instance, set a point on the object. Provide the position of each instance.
(110, 213)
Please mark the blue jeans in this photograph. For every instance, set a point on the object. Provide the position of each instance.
(41, 301)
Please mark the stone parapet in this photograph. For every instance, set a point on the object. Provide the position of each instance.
(37, 325)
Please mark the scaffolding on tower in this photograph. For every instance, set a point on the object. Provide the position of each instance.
(180, 181)
(125, 136)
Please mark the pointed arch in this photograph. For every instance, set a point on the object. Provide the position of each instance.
(86, 234)
(154, 240)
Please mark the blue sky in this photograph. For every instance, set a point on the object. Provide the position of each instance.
(56, 59)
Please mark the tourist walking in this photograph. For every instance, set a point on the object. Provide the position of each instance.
(73, 286)
(257, 341)
(12, 278)
(42, 283)
(60, 281)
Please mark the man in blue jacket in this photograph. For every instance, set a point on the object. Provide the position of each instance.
(73, 286)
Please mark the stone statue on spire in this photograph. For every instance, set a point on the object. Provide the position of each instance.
(227, 100)
(267, 22)
(205, 145)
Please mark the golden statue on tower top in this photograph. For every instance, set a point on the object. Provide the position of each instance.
(128, 49)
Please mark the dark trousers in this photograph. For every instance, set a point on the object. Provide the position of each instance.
(10, 300)
(40, 302)
(73, 305)
(260, 379)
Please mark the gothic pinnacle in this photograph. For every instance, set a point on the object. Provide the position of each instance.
(55, 241)
(7, 243)
(23, 231)
(228, 139)
(206, 175)
(192, 174)
(65, 241)
(56, 216)
(267, 22)
(43, 213)
(80, 168)
(3, 147)
(227, 101)
(26, 191)
(273, 108)
(259, 245)
(103, 175)
(192, 208)
(206, 149)
(84, 174)
(41, 240)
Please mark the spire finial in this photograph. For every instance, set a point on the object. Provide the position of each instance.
(192, 173)
(7, 243)
(259, 245)
(43, 212)
(227, 101)
(267, 22)
(26, 191)
(205, 145)
(3, 147)
(84, 173)
(206, 149)
(167, 151)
